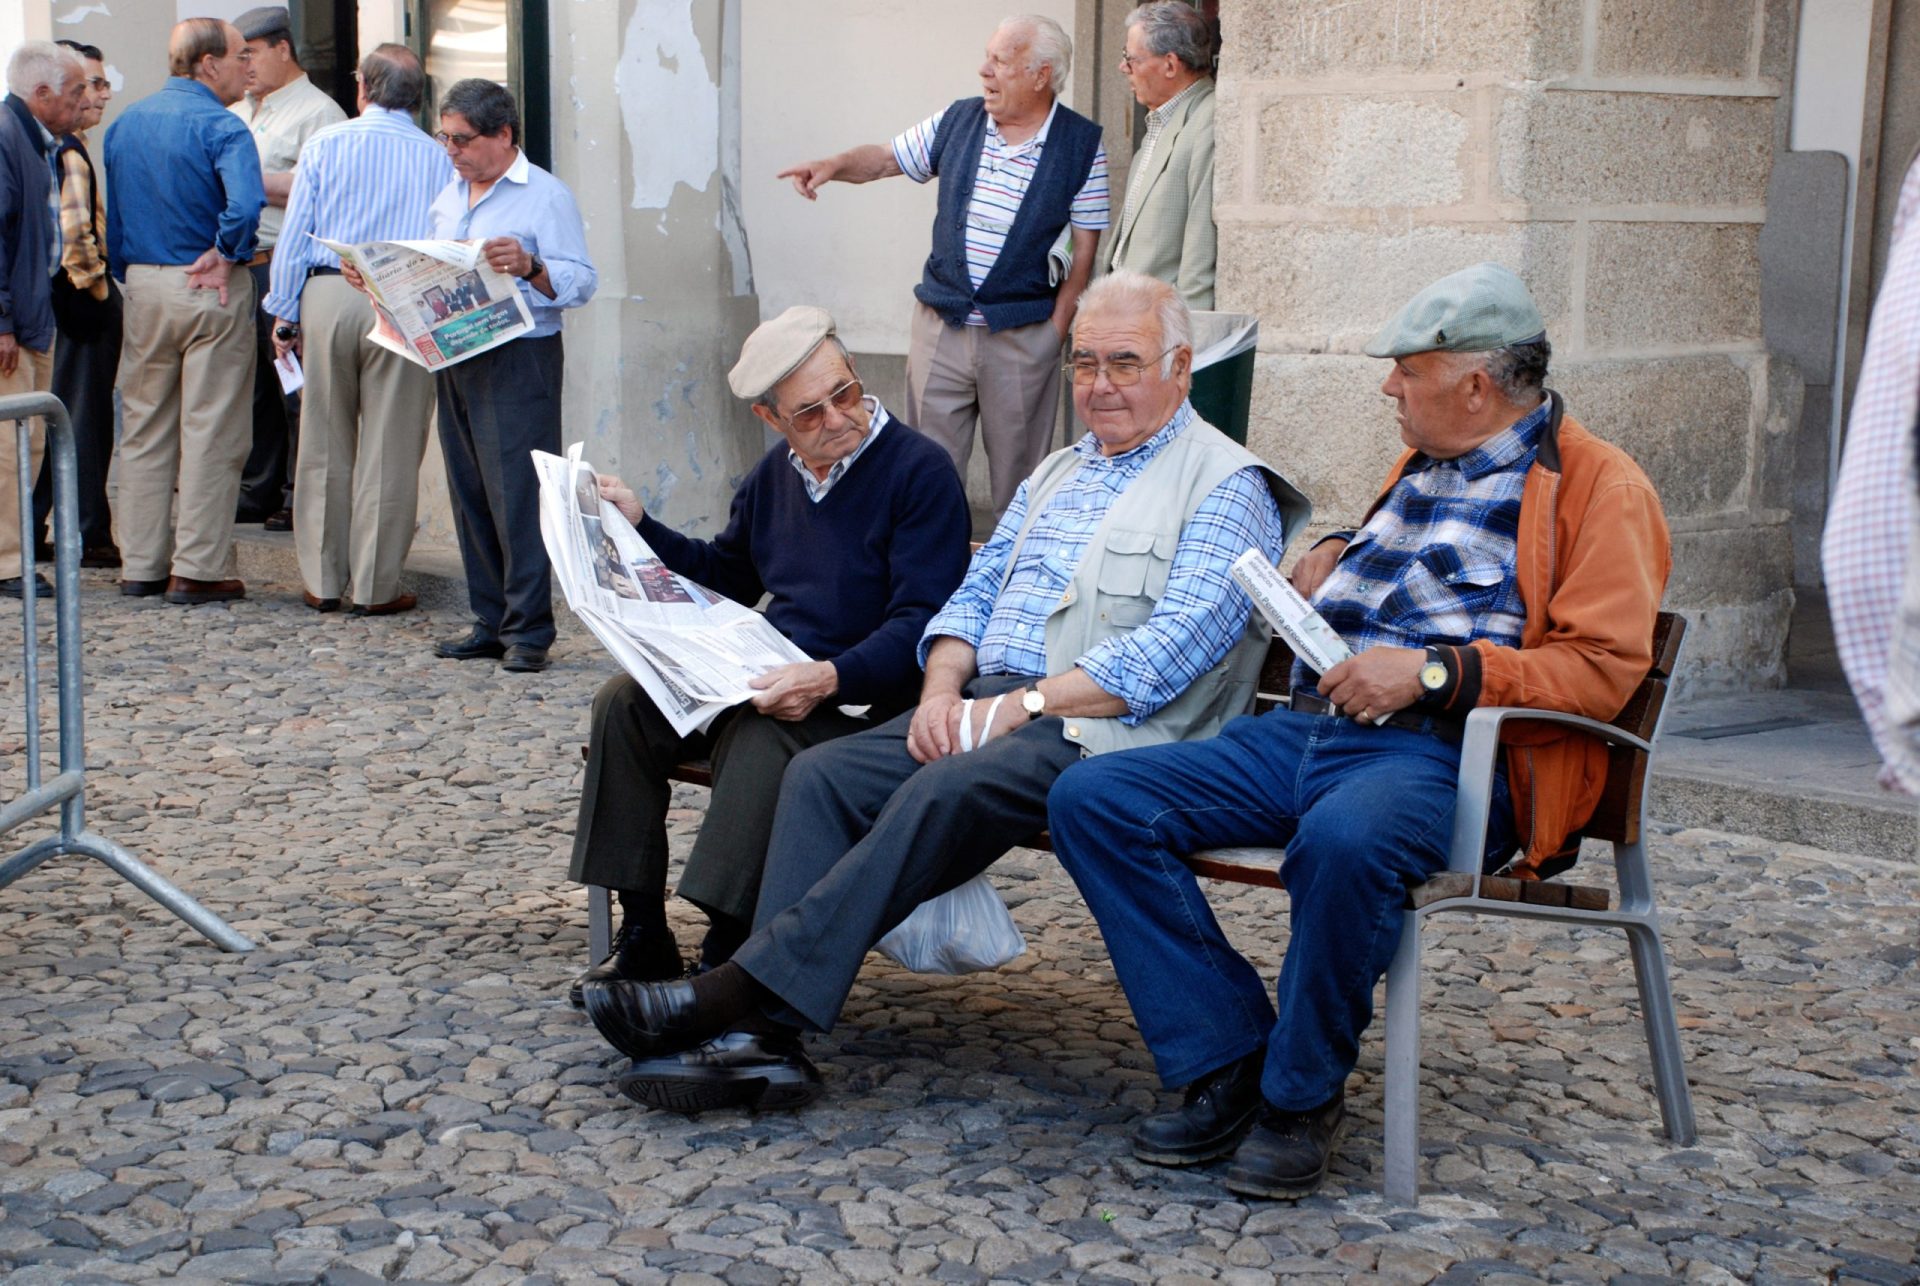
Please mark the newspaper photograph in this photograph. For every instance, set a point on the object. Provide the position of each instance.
(436, 302)
(1292, 617)
(692, 650)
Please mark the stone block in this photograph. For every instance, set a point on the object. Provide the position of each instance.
(1686, 421)
(1323, 422)
(1234, 114)
(1661, 38)
(1346, 150)
(1293, 39)
(1681, 284)
(1317, 286)
(1732, 566)
(1596, 148)
(1735, 648)
(1777, 42)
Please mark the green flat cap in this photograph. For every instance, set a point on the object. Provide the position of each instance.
(777, 347)
(1471, 311)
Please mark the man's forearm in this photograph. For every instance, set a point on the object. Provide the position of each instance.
(950, 663)
(1075, 695)
(1086, 244)
(279, 186)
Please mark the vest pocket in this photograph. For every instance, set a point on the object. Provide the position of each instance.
(1133, 574)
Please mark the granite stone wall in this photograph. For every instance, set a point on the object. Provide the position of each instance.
(1613, 152)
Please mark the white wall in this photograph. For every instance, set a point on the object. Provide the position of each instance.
(820, 77)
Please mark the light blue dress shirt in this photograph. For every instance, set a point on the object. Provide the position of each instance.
(532, 206)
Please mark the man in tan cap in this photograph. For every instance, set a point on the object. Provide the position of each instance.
(856, 530)
(1512, 559)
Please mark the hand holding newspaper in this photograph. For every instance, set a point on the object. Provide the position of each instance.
(1292, 617)
(692, 650)
(436, 302)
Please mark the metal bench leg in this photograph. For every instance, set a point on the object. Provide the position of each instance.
(1403, 1067)
(1663, 1032)
(599, 924)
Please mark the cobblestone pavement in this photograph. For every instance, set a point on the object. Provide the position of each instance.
(393, 1087)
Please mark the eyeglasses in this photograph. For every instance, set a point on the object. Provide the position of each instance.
(1120, 374)
(97, 82)
(245, 55)
(810, 417)
(1128, 62)
(458, 142)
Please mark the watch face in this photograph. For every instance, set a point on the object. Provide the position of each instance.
(1433, 676)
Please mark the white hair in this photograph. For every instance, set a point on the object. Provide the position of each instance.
(1134, 293)
(41, 62)
(1047, 42)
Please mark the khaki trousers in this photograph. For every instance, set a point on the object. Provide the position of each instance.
(364, 419)
(186, 388)
(1009, 382)
(32, 374)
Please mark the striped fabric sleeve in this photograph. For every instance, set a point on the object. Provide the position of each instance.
(913, 150)
(1090, 204)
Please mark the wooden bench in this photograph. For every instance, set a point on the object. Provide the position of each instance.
(1619, 819)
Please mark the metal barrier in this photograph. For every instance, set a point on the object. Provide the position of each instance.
(67, 789)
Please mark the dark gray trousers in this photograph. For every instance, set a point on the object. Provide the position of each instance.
(864, 834)
(266, 483)
(494, 409)
(620, 841)
(84, 368)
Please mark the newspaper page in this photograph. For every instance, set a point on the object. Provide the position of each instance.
(1305, 630)
(692, 650)
(436, 302)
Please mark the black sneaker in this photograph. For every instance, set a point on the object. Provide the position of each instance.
(1286, 1155)
(1219, 1108)
(635, 957)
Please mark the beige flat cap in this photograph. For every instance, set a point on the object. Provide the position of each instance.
(777, 347)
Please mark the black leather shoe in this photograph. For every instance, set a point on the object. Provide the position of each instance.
(473, 646)
(635, 957)
(642, 1019)
(143, 588)
(1219, 1109)
(1286, 1155)
(13, 586)
(524, 658)
(734, 1069)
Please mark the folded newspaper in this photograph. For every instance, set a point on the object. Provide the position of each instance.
(692, 650)
(1305, 630)
(436, 302)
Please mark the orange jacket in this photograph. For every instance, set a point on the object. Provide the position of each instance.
(1593, 560)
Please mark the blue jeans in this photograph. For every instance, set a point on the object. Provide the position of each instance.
(1365, 814)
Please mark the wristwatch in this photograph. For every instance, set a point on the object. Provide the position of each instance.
(535, 267)
(1034, 702)
(1433, 675)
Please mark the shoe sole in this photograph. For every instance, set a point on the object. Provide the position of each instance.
(1212, 1150)
(139, 590)
(521, 667)
(755, 1091)
(1237, 1182)
(469, 656)
(195, 600)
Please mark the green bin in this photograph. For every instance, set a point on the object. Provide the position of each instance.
(1223, 348)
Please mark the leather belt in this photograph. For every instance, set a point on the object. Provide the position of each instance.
(322, 272)
(1448, 729)
(261, 260)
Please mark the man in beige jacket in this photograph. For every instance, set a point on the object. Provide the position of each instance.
(1166, 226)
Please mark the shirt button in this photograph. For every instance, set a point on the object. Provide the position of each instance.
(1073, 730)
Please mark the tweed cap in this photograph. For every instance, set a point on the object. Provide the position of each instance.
(266, 20)
(777, 347)
(1474, 310)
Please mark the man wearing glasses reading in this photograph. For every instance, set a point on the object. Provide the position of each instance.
(1101, 615)
(856, 531)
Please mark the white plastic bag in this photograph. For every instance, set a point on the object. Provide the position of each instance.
(961, 931)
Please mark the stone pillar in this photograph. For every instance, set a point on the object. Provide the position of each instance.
(1615, 153)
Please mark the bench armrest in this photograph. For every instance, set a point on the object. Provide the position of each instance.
(1479, 756)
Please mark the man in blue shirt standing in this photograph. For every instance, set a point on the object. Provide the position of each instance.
(504, 403)
(183, 209)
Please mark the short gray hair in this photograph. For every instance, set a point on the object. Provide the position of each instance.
(41, 62)
(1519, 370)
(1047, 42)
(1170, 27)
(392, 78)
(1133, 294)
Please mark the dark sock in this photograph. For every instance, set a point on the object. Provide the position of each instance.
(646, 917)
(728, 995)
(724, 936)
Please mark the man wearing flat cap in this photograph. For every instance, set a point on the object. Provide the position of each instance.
(1511, 559)
(855, 529)
(1101, 614)
(282, 108)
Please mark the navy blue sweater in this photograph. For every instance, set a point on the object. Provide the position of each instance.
(853, 579)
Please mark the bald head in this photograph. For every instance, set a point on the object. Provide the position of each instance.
(391, 77)
(212, 52)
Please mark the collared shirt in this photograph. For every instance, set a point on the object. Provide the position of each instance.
(529, 204)
(1000, 184)
(1157, 120)
(373, 178)
(817, 488)
(281, 124)
(1196, 621)
(1436, 563)
(182, 175)
(82, 210)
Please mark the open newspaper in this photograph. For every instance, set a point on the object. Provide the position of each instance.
(436, 302)
(1305, 630)
(692, 650)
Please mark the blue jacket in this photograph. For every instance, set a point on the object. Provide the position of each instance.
(27, 230)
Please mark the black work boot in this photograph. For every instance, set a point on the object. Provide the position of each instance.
(1218, 1110)
(636, 956)
(1286, 1155)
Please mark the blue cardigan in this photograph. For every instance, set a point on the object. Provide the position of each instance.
(27, 232)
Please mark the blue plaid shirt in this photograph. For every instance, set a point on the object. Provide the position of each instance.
(1199, 618)
(1436, 562)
